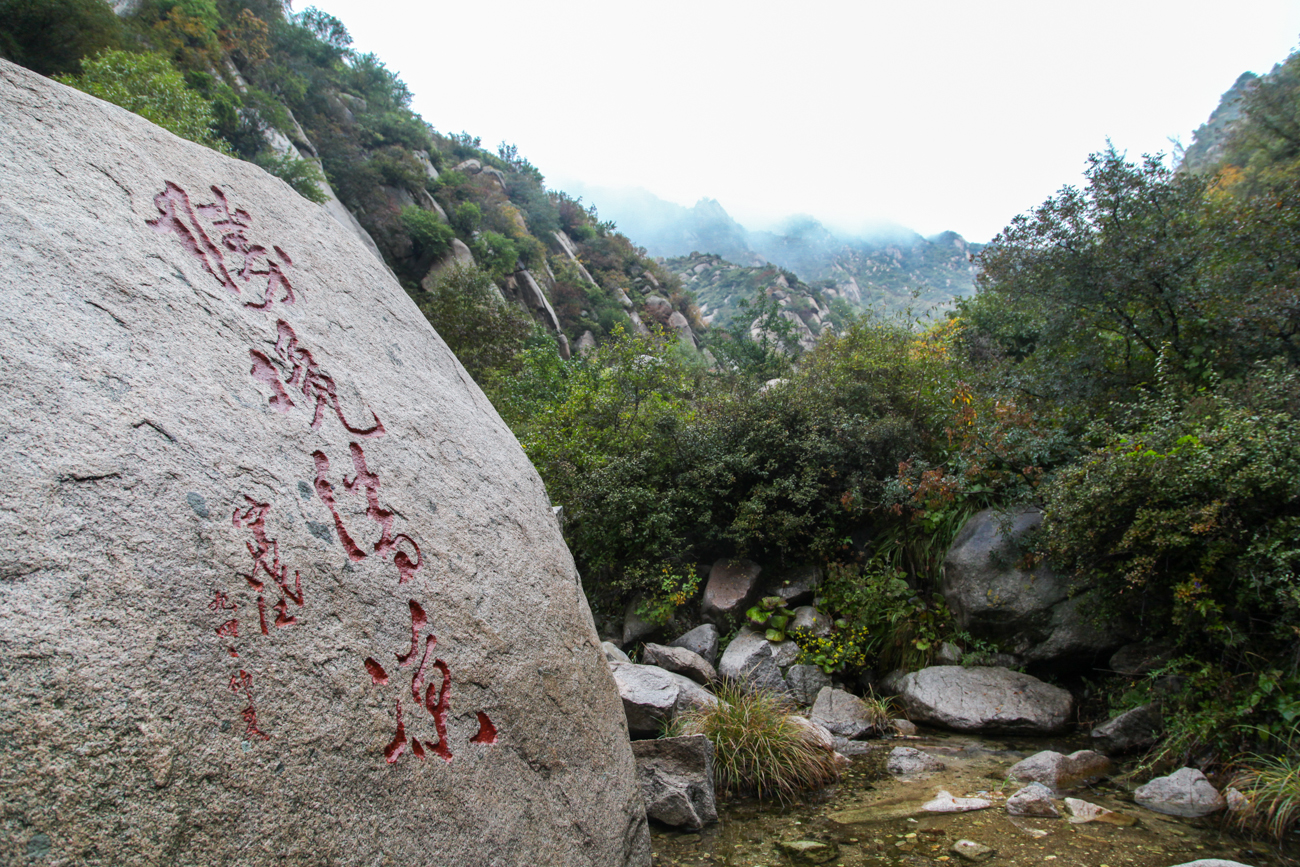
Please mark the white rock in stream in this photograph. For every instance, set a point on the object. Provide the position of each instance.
(944, 802)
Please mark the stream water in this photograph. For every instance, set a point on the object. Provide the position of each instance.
(873, 820)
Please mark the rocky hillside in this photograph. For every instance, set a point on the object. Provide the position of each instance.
(287, 92)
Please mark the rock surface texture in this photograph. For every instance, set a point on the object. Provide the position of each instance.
(703, 640)
(1186, 792)
(842, 713)
(1129, 732)
(279, 586)
(677, 780)
(1034, 799)
(984, 700)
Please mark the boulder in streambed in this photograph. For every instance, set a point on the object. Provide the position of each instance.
(1036, 613)
(844, 714)
(677, 780)
(909, 762)
(1033, 800)
(681, 661)
(1060, 772)
(279, 584)
(988, 700)
(945, 802)
(1186, 792)
(732, 587)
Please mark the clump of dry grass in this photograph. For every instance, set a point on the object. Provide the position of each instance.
(758, 749)
(1271, 784)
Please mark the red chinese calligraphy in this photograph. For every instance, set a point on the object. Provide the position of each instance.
(266, 559)
(259, 269)
(244, 682)
(304, 375)
(368, 483)
(435, 697)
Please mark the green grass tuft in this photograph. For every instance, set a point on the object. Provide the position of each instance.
(757, 748)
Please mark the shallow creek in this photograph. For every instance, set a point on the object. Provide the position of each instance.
(874, 820)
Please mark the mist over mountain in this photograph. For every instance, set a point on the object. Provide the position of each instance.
(889, 267)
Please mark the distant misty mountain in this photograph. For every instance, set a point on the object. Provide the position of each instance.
(893, 269)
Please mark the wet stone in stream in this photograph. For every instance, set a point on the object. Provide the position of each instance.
(900, 834)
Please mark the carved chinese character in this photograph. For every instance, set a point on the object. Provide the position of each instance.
(266, 559)
(244, 682)
(260, 270)
(435, 698)
(367, 483)
(304, 375)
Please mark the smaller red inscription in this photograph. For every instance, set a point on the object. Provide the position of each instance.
(243, 682)
(220, 602)
(229, 629)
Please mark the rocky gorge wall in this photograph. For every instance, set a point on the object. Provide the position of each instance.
(277, 585)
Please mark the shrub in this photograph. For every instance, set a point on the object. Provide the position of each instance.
(484, 332)
(303, 175)
(428, 232)
(147, 85)
(758, 749)
(466, 217)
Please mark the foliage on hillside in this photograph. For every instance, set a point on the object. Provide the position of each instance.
(288, 93)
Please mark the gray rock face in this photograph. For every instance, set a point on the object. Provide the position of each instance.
(1212, 862)
(703, 640)
(691, 695)
(984, 700)
(945, 802)
(676, 777)
(457, 256)
(805, 681)
(796, 586)
(811, 621)
(649, 696)
(1059, 772)
(1186, 792)
(992, 598)
(613, 653)
(1129, 732)
(748, 659)
(1035, 800)
(730, 588)
(248, 487)
(843, 713)
(681, 661)
(908, 762)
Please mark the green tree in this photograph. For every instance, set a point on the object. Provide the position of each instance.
(52, 36)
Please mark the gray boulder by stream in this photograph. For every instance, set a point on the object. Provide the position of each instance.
(1036, 614)
(984, 700)
(279, 584)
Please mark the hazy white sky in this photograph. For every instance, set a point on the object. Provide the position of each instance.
(949, 114)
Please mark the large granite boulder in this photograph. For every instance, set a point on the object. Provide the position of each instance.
(731, 588)
(1032, 613)
(676, 777)
(279, 586)
(984, 700)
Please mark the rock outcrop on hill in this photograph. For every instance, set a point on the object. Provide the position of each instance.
(279, 585)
